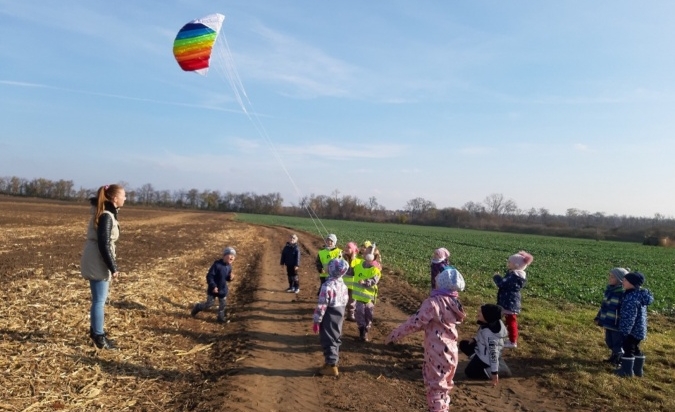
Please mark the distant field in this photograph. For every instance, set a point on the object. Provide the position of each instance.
(573, 270)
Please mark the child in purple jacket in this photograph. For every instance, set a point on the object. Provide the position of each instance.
(438, 317)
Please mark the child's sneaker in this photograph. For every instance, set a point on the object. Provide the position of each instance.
(329, 370)
(510, 345)
(297, 290)
(290, 290)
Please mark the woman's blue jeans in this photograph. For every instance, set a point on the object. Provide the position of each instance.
(99, 294)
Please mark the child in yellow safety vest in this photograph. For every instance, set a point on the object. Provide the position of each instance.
(325, 255)
(351, 255)
(367, 274)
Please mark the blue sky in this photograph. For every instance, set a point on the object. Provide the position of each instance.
(552, 104)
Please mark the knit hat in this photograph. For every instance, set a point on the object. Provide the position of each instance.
(367, 244)
(618, 273)
(521, 260)
(491, 313)
(450, 279)
(352, 248)
(635, 278)
(229, 251)
(332, 237)
(440, 254)
(337, 267)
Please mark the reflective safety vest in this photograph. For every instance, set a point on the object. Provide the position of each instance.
(349, 280)
(326, 256)
(362, 293)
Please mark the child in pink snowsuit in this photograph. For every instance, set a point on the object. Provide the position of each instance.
(438, 317)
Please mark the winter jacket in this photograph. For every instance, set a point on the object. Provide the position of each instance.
(489, 343)
(633, 314)
(290, 255)
(218, 275)
(608, 315)
(508, 295)
(437, 316)
(98, 257)
(333, 293)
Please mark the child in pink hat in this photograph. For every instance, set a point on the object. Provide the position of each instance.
(508, 294)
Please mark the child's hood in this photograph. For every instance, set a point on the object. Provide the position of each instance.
(449, 304)
(497, 327)
(645, 296)
(520, 273)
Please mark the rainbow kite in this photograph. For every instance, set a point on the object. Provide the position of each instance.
(193, 43)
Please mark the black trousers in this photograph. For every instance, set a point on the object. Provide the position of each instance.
(293, 278)
(476, 369)
(631, 347)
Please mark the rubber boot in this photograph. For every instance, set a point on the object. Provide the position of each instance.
(626, 369)
(221, 317)
(638, 366)
(195, 310)
(362, 333)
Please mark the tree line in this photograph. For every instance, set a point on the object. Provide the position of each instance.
(495, 212)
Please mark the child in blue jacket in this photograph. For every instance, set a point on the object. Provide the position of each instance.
(633, 323)
(508, 295)
(216, 280)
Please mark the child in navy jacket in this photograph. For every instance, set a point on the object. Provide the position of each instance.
(608, 315)
(216, 279)
(633, 323)
(508, 295)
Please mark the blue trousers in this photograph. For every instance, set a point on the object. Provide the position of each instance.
(99, 294)
(614, 341)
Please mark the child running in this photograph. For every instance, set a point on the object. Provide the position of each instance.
(329, 315)
(608, 314)
(484, 350)
(508, 294)
(219, 274)
(437, 316)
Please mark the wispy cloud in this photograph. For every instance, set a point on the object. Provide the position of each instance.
(208, 106)
(343, 153)
(476, 150)
(309, 71)
(580, 147)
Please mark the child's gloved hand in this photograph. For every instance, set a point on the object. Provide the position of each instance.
(315, 328)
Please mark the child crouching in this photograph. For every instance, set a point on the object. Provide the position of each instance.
(329, 315)
(438, 317)
(484, 350)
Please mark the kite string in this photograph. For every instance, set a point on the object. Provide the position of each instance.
(226, 69)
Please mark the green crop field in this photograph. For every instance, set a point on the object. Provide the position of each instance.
(572, 270)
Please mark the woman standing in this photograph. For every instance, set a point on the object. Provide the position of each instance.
(98, 259)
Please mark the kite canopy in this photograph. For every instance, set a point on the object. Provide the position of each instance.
(193, 43)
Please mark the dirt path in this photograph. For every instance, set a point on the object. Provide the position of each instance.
(277, 372)
(266, 359)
